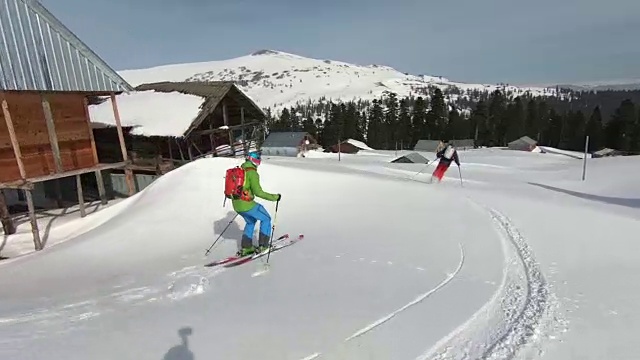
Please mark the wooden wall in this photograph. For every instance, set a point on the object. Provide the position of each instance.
(27, 114)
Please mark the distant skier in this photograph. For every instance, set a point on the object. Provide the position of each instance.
(446, 155)
(242, 186)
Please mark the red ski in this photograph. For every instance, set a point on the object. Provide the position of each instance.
(274, 247)
(236, 257)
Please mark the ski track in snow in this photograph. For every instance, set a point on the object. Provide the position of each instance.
(417, 300)
(518, 318)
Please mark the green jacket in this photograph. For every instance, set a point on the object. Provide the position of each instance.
(252, 184)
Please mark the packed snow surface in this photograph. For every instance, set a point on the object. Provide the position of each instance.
(278, 79)
(519, 259)
(151, 113)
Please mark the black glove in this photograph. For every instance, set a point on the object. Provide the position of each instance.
(279, 197)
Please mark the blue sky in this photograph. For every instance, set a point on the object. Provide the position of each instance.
(489, 41)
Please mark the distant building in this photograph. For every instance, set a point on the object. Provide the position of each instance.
(349, 146)
(294, 144)
(428, 145)
(524, 143)
(463, 144)
(607, 152)
(411, 158)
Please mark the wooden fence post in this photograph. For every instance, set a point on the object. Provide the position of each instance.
(18, 154)
(7, 222)
(123, 147)
(94, 150)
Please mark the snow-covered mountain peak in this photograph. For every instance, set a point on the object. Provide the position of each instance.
(277, 79)
(265, 52)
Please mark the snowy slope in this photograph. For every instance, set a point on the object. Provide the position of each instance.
(523, 259)
(275, 79)
(136, 279)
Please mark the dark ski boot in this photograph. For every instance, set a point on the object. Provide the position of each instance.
(247, 247)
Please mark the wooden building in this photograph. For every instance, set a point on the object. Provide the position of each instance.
(201, 118)
(428, 145)
(524, 143)
(349, 146)
(288, 143)
(168, 124)
(47, 76)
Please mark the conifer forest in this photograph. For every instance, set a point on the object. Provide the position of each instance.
(611, 119)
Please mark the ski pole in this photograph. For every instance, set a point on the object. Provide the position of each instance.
(273, 230)
(424, 167)
(460, 172)
(222, 233)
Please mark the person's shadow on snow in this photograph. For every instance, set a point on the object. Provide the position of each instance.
(233, 232)
(181, 352)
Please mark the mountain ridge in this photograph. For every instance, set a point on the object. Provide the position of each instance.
(277, 79)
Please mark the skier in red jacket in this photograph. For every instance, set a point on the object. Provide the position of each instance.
(446, 155)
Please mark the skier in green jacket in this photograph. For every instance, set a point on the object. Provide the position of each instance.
(252, 211)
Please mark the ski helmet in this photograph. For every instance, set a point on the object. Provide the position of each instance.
(254, 157)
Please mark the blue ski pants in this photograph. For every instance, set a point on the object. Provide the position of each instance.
(257, 213)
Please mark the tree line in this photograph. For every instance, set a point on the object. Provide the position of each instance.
(610, 119)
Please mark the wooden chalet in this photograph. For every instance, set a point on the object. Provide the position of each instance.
(226, 123)
(45, 130)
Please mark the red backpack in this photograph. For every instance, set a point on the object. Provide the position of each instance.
(234, 183)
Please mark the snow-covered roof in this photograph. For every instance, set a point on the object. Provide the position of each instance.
(151, 113)
(427, 145)
(413, 157)
(359, 144)
(525, 139)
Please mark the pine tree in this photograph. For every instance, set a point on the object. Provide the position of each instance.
(621, 129)
(457, 126)
(391, 121)
(479, 125)
(331, 130)
(405, 130)
(294, 122)
(497, 120)
(515, 120)
(284, 123)
(309, 126)
(350, 121)
(361, 126)
(635, 141)
(437, 116)
(543, 120)
(375, 129)
(418, 118)
(532, 119)
(553, 132)
(575, 132)
(594, 130)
